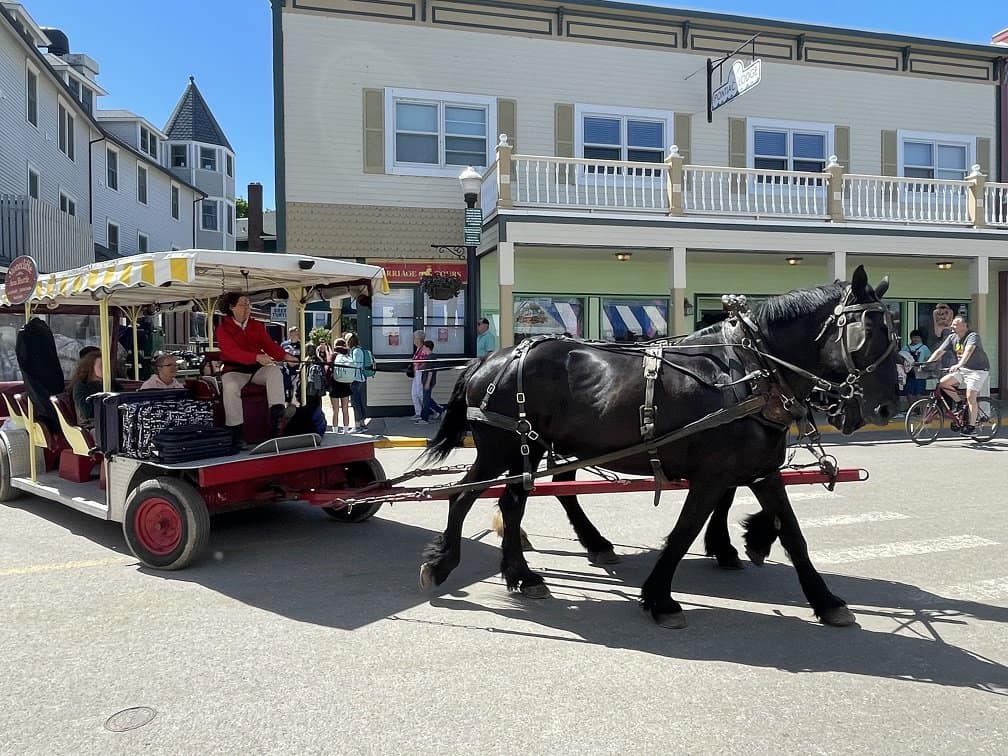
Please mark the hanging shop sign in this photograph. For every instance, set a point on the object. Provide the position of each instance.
(741, 79)
(407, 272)
(22, 276)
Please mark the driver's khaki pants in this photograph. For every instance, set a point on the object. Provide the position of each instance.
(232, 384)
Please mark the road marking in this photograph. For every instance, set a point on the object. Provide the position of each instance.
(981, 590)
(57, 566)
(898, 549)
(748, 498)
(852, 519)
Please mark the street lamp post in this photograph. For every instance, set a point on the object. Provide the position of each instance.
(471, 182)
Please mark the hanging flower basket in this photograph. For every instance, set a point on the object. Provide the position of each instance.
(441, 286)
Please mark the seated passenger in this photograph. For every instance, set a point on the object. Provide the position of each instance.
(165, 368)
(87, 380)
(248, 354)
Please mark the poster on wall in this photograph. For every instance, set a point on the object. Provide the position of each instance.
(534, 316)
(934, 321)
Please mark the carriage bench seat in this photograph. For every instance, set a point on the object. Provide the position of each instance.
(76, 463)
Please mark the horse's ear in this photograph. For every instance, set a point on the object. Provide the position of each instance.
(882, 288)
(859, 282)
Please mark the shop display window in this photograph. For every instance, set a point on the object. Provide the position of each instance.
(629, 320)
(538, 315)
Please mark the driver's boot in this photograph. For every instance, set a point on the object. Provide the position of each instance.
(237, 435)
(276, 415)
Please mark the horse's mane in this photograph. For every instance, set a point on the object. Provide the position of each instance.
(796, 304)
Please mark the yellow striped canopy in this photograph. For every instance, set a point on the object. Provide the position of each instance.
(169, 277)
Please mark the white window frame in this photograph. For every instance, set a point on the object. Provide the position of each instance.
(31, 70)
(67, 203)
(953, 140)
(230, 220)
(175, 201)
(808, 127)
(171, 157)
(118, 171)
(145, 184)
(141, 236)
(199, 159)
(152, 138)
(228, 164)
(441, 99)
(217, 205)
(110, 224)
(38, 182)
(66, 120)
(581, 110)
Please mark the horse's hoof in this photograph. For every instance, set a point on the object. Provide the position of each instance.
(526, 544)
(537, 591)
(426, 577)
(604, 557)
(837, 616)
(730, 563)
(673, 621)
(756, 557)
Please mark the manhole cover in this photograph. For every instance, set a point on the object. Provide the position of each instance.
(130, 719)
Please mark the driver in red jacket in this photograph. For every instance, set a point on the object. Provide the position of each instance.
(248, 354)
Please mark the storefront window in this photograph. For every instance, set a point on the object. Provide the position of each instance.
(444, 323)
(934, 321)
(534, 316)
(392, 322)
(630, 320)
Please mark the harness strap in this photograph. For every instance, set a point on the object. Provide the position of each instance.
(652, 369)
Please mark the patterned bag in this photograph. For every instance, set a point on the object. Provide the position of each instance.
(143, 420)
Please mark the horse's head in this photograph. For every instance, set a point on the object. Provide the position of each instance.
(858, 351)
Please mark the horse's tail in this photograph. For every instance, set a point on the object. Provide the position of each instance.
(453, 423)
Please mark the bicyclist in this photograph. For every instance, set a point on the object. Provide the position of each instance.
(971, 368)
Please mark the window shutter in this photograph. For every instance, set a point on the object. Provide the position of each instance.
(374, 131)
(983, 153)
(507, 122)
(890, 165)
(683, 124)
(564, 130)
(841, 146)
(736, 143)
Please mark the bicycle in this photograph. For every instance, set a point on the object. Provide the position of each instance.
(926, 417)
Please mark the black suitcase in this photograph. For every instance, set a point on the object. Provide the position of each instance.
(144, 420)
(186, 443)
(107, 417)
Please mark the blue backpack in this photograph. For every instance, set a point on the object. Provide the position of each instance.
(369, 364)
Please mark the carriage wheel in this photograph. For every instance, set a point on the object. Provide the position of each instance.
(924, 422)
(166, 523)
(7, 491)
(359, 474)
(989, 420)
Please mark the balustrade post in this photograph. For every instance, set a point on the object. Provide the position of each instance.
(503, 173)
(975, 183)
(674, 181)
(834, 190)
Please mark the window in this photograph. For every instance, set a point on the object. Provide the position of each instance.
(229, 164)
(175, 202)
(629, 320)
(208, 158)
(31, 95)
(143, 243)
(67, 204)
(789, 146)
(935, 156)
(444, 322)
(87, 98)
(33, 183)
(112, 168)
(437, 133)
(66, 131)
(208, 216)
(179, 156)
(141, 184)
(148, 142)
(609, 133)
(392, 322)
(112, 238)
(230, 219)
(535, 315)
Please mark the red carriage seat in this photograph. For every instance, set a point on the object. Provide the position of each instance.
(77, 462)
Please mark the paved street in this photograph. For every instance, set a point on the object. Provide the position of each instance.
(302, 635)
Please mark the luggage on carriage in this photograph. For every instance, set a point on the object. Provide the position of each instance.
(108, 414)
(142, 421)
(185, 443)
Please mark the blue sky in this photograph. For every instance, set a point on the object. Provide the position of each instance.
(148, 50)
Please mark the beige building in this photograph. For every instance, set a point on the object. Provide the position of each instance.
(614, 208)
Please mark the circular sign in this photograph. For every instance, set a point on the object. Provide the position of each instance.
(22, 275)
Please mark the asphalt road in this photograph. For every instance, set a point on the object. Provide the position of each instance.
(302, 635)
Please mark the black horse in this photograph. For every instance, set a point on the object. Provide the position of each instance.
(584, 401)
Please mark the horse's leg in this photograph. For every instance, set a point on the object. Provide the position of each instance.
(514, 568)
(600, 550)
(772, 495)
(717, 541)
(442, 555)
(760, 533)
(656, 593)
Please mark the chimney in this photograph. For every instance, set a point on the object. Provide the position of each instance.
(255, 217)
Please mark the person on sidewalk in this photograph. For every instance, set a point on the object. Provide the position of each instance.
(486, 342)
(420, 354)
(359, 382)
(430, 408)
(248, 354)
(341, 373)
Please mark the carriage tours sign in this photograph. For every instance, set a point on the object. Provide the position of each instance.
(22, 276)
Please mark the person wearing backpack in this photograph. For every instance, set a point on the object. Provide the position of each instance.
(341, 376)
(363, 362)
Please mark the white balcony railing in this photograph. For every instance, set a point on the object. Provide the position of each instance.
(588, 184)
(905, 200)
(488, 191)
(996, 204)
(747, 191)
(55, 239)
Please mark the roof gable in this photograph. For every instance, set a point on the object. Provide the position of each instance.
(192, 120)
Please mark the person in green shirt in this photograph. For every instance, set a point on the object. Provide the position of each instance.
(486, 342)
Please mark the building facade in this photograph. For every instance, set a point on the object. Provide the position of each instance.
(612, 206)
